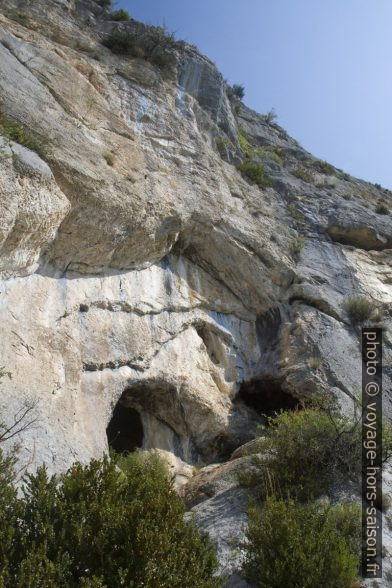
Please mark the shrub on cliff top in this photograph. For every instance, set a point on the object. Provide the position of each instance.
(151, 43)
(271, 116)
(302, 546)
(122, 42)
(120, 15)
(102, 526)
(238, 91)
(323, 167)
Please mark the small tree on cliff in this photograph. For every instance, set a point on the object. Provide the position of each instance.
(238, 91)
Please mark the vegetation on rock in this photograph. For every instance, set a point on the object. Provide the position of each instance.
(271, 117)
(244, 143)
(222, 144)
(294, 212)
(303, 174)
(100, 525)
(151, 43)
(324, 167)
(302, 546)
(255, 172)
(382, 208)
(359, 308)
(120, 15)
(16, 132)
(122, 42)
(273, 153)
(297, 245)
(238, 91)
(305, 451)
(294, 539)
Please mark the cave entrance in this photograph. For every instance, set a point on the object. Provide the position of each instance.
(266, 397)
(125, 429)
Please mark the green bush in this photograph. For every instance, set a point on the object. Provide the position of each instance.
(102, 525)
(244, 143)
(303, 174)
(222, 145)
(359, 308)
(237, 107)
(161, 58)
(9, 512)
(22, 18)
(382, 208)
(324, 167)
(271, 116)
(122, 42)
(297, 245)
(120, 15)
(302, 546)
(254, 172)
(238, 91)
(270, 153)
(163, 36)
(305, 451)
(294, 212)
(151, 43)
(16, 132)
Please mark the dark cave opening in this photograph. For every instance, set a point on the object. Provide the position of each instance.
(266, 396)
(125, 429)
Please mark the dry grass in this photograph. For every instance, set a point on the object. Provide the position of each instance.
(314, 362)
(359, 308)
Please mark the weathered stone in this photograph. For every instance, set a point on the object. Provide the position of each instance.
(361, 228)
(189, 285)
(220, 508)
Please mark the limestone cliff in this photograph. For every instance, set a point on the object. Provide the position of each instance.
(140, 267)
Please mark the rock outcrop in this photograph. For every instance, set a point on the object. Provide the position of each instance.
(140, 269)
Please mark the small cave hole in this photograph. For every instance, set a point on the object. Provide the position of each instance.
(266, 396)
(212, 344)
(125, 429)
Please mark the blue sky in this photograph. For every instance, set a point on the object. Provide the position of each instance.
(325, 66)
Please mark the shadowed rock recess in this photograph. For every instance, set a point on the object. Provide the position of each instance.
(151, 295)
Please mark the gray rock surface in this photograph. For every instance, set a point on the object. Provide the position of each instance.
(219, 506)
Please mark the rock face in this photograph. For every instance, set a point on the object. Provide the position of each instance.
(219, 504)
(140, 270)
